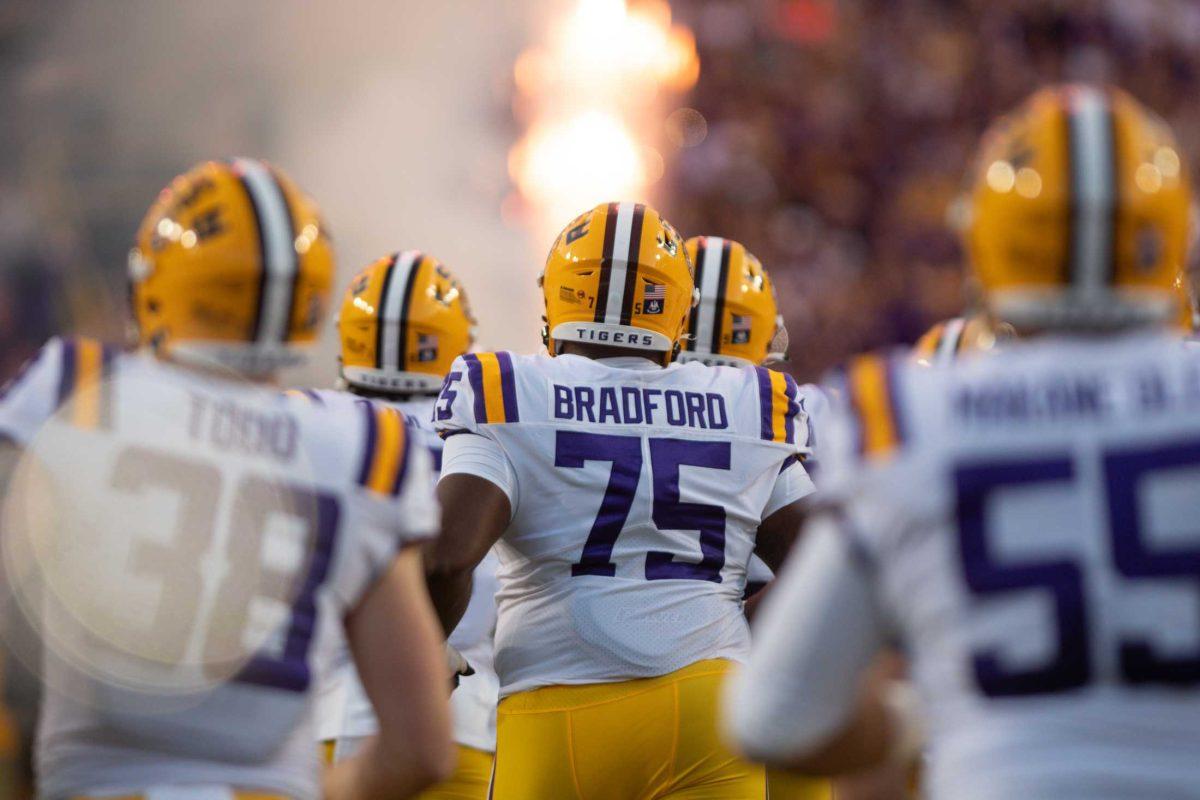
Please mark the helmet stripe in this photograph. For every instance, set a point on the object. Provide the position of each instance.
(951, 340)
(718, 317)
(277, 251)
(606, 258)
(712, 264)
(393, 312)
(631, 264)
(379, 313)
(1093, 189)
(406, 312)
(291, 303)
(698, 275)
(619, 263)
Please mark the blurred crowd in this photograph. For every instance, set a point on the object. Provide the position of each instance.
(832, 137)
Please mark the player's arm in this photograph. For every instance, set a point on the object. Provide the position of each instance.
(396, 643)
(475, 493)
(803, 701)
(777, 533)
(776, 537)
(784, 513)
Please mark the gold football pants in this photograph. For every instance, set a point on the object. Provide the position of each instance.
(648, 739)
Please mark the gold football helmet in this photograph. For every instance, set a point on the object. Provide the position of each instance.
(1079, 213)
(949, 340)
(232, 269)
(618, 275)
(403, 321)
(737, 322)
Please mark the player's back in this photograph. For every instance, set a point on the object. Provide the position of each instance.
(1031, 520)
(214, 528)
(636, 498)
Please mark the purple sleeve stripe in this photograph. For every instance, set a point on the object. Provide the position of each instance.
(508, 386)
(364, 472)
(66, 380)
(402, 470)
(764, 402)
(475, 376)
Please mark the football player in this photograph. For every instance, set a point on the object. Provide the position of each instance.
(948, 340)
(403, 321)
(195, 551)
(1024, 523)
(625, 495)
(737, 323)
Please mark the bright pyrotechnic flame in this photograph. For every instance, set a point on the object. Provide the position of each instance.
(591, 98)
(579, 161)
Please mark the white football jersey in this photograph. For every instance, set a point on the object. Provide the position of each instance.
(1029, 524)
(343, 708)
(206, 531)
(637, 492)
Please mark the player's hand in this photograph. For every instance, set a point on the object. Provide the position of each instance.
(457, 664)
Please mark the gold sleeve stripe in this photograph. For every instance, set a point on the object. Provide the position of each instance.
(389, 449)
(82, 389)
(492, 381)
(780, 404)
(927, 346)
(777, 396)
(871, 395)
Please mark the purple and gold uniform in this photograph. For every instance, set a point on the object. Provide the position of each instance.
(218, 553)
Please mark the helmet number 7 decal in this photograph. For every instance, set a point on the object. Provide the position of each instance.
(573, 450)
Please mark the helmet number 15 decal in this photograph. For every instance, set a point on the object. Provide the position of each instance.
(669, 512)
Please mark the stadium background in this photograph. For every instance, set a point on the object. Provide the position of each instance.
(830, 136)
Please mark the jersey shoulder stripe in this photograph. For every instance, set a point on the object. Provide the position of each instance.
(494, 387)
(385, 450)
(930, 342)
(871, 385)
(310, 395)
(82, 387)
(778, 406)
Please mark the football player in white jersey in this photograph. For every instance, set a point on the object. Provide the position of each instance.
(624, 495)
(1024, 523)
(205, 529)
(404, 319)
(737, 323)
